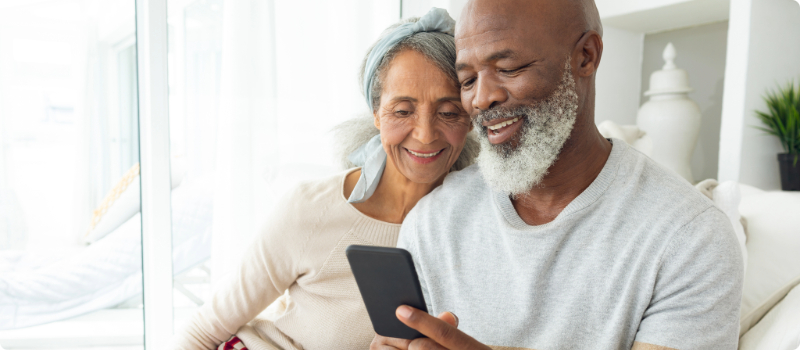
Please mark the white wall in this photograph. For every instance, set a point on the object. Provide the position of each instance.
(619, 76)
(701, 52)
(764, 51)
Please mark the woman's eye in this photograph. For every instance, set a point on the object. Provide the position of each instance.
(402, 112)
(449, 114)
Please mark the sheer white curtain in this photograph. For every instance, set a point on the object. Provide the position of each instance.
(246, 119)
(288, 75)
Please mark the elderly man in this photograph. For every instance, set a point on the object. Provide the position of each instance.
(560, 238)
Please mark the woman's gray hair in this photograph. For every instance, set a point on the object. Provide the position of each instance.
(440, 49)
(355, 132)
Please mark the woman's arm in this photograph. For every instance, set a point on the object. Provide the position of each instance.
(269, 265)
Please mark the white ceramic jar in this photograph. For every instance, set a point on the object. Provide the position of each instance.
(670, 118)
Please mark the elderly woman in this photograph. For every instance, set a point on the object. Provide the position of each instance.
(410, 85)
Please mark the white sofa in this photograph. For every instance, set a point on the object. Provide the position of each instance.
(767, 225)
(770, 317)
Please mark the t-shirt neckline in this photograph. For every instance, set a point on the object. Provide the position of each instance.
(590, 195)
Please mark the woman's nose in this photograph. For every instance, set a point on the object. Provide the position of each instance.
(488, 93)
(425, 129)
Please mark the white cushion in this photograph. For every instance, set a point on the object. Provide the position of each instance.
(631, 134)
(108, 271)
(123, 201)
(779, 329)
(773, 247)
(121, 204)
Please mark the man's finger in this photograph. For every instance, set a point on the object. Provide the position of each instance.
(383, 347)
(425, 344)
(438, 330)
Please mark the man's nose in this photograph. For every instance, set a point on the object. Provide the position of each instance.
(488, 93)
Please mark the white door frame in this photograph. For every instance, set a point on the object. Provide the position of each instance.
(151, 41)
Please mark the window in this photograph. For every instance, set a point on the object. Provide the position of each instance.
(70, 253)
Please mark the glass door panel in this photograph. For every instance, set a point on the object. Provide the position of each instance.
(70, 232)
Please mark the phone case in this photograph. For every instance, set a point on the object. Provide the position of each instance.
(386, 279)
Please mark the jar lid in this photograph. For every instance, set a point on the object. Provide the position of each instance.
(670, 79)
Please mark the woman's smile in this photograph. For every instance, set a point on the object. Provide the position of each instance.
(424, 157)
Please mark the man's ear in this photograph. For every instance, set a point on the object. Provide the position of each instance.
(587, 53)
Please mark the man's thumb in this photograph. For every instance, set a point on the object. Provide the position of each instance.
(449, 317)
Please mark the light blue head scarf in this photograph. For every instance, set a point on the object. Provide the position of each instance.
(371, 157)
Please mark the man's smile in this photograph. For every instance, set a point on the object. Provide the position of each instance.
(501, 130)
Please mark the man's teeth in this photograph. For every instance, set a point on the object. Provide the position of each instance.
(424, 155)
(500, 125)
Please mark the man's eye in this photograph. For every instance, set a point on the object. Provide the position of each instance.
(510, 71)
(467, 83)
(514, 70)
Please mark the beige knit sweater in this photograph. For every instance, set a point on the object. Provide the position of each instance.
(300, 250)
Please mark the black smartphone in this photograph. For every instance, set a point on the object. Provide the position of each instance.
(386, 279)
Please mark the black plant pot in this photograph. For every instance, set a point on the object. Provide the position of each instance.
(790, 172)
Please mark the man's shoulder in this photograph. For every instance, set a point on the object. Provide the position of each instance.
(655, 189)
(661, 209)
(469, 177)
(461, 193)
(458, 187)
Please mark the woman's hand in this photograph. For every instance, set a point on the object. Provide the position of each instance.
(441, 332)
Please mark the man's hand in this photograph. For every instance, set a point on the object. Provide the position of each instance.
(441, 332)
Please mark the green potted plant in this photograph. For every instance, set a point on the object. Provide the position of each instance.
(783, 121)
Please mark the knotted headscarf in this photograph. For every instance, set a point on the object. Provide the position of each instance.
(371, 157)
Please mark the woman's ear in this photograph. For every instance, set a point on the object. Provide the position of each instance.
(376, 120)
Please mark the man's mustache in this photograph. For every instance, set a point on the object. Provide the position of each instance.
(497, 113)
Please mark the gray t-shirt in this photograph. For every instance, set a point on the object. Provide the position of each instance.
(640, 255)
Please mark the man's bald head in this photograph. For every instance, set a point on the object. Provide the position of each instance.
(568, 16)
(591, 17)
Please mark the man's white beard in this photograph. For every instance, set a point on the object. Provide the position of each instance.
(547, 126)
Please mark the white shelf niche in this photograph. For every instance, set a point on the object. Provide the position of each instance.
(653, 16)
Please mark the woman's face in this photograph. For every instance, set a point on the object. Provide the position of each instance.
(423, 126)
